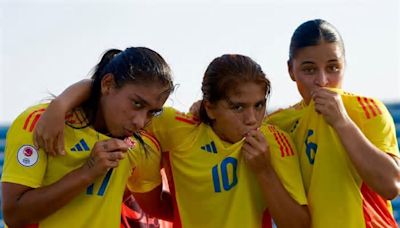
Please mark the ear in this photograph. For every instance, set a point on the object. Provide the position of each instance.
(290, 70)
(107, 84)
(210, 109)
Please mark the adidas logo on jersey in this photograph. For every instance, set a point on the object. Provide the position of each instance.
(210, 147)
(80, 146)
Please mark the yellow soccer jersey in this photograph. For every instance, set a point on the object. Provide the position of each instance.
(211, 185)
(100, 204)
(336, 194)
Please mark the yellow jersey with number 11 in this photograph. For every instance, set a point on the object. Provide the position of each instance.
(99, 205)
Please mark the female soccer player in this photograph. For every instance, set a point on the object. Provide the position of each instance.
(205, 160)
(84, 188)
(350, 182)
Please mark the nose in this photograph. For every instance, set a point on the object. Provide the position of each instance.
(321, 79)
(140, 120)
(250, 116)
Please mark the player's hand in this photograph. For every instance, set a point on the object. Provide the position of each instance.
(256, 151)
(105, 155)
(330, 105)
(49, 131)
(195, 108)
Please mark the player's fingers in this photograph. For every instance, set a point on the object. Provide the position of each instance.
(49, 146)
(248, 150)
(115, 145)
(113, 164)
(115, 156)
(60, 144)
(36, 141)
(251, 140)
(256, 140)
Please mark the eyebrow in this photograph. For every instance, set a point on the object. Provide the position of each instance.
(311, 62)
(333, 60)
(230, 102)
(307, 62)
(141, 99)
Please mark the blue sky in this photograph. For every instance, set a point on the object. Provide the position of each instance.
(47, 45)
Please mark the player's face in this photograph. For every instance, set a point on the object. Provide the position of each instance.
(128, 109)
(242, 110)
(317, 66)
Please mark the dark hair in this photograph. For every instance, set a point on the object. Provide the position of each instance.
(133, 65)
(225, 73)
(312, 33)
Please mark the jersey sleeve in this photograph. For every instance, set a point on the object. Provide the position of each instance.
(147, 164)
(375, 121)
(170, 127)
(286, 119)
(285, 160)
(161, 127)
(23, 163)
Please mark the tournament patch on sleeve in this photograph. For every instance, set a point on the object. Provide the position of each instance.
(27, 155)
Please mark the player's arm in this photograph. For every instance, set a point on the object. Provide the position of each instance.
(156, 203)
(146, 180)
(23, 205)
(378, 169)
(285, 211)
(48, 133)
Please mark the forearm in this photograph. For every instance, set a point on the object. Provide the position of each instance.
(74, 95)
(156, 203)
(165, 210)
(33, 205)
(378, 170)
(285, 211)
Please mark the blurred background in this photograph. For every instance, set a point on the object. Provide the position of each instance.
(47, 45)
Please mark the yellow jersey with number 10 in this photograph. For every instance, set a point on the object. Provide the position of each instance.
(208, 178)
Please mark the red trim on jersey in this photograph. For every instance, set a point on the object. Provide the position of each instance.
(291, 152)
(32, 226)
(376, 106)
(177, 223)
(186, 116)
(37, 114)
(152, 138)
(185, 120)
(363, 107)
(266, 219)
(375, 209)
(370, 106)
(273, 130)
(284, 144)
(34, 122)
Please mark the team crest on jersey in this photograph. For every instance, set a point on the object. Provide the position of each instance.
(77, 119)
(27, 155)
